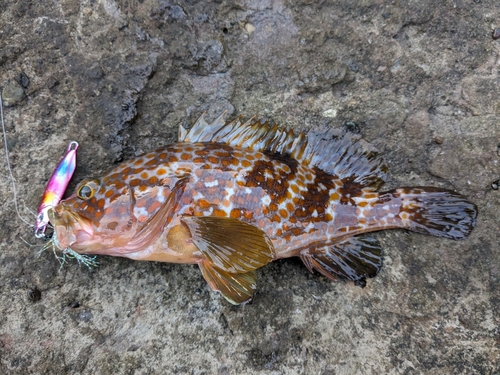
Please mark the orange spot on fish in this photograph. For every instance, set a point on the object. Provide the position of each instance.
(204, 204)
(112, 225)
(144, 175)
(153, 180)
(235, 213)
(135, 182)
(334, 197)
(185, 157)
(163, 155)
(219, 213)
(201, 152)
(213, 160)
(100, 203)
(173, 159)
(143, 188)
(154, 206)
(246, 163)
(161, 172)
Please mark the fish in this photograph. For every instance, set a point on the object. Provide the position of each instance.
(233, 196)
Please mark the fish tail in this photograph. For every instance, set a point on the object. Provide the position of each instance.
(434, 211)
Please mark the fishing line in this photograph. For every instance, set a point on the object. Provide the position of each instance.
(13, 181)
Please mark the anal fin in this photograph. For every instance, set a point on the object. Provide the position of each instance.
(237, 288)
(355, 258)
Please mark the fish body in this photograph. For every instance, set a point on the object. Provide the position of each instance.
(232, 197)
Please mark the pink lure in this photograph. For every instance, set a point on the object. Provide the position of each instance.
(55, 188)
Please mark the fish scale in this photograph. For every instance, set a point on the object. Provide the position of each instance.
(232, 197)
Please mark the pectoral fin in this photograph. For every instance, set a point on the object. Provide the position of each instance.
(230, 245)
(237, 288)
(153, 227)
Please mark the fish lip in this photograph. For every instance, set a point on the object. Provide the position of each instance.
(70, 228)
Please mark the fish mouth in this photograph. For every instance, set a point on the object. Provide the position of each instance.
(70, 229)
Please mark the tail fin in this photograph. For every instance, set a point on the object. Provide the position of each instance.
(437, 212)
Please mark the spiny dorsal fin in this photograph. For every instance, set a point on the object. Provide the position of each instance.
(344, 155)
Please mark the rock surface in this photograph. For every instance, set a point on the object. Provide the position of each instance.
(419, 79)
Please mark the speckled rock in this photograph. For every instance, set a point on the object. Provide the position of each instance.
(419, 79)
(12, 94)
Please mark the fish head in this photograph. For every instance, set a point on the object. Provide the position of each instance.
(96, 219)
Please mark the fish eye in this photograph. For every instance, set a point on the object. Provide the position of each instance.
(85, 192)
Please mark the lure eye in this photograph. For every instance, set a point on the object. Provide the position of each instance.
(85, 192)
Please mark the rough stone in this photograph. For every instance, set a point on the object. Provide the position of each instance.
(12, 94)
(119, 76)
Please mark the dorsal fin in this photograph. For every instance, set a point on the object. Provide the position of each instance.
(344, 155)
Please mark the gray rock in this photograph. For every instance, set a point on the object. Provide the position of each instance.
(12, 94)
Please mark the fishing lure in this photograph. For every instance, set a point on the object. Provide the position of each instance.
(55, 188)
